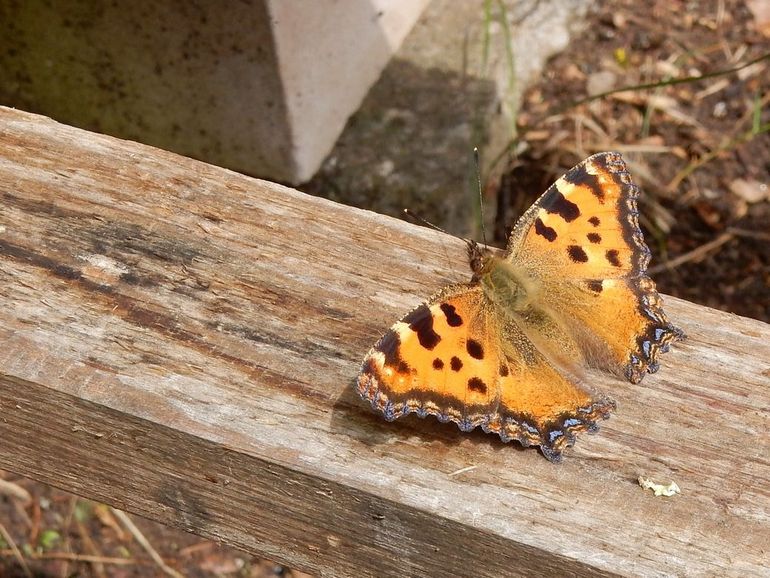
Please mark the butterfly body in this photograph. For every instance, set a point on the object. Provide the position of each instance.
(506, 287)
(508, 351)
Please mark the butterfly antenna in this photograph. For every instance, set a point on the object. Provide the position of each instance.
(481, 196)
(422, 221)
(419, 219)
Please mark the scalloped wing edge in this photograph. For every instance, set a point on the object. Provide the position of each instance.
(658, 336)
(552, 440)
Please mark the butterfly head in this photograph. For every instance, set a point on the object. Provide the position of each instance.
(479, 257)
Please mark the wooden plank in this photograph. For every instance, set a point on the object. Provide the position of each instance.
(181, 341)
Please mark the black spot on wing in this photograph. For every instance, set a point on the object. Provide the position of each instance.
(421, 322)
(475, 349)
(503, 370)
(594, 285)
(452, 318)
(595, 221)
(390, 347)
(580, 177)
(370, 367)
(612, 257)
(476, 384)
(555, 203)
(456, 364)
(577, 254)
(545, 231)
(594, 237)
(438, 364)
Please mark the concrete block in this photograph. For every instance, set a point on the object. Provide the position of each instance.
(260, 86)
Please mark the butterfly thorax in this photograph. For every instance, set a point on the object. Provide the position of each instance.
(505, 286)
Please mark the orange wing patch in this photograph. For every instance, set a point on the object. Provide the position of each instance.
(585, 224)
(619, 325)
(438, 360)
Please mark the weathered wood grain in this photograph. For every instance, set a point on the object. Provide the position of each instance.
(181, 341)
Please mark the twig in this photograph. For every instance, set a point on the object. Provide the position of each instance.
(89, 545)
(641, 148)
(660, 83)
(758, 235)
(729, 144)
(16, 553)
(65, 530)
(129, 524)
(695, 255)
(199, 547)
(72, 557)
(102, 512)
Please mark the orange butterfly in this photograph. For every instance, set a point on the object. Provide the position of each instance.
(505, 351)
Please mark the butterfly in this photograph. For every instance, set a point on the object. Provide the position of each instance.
(508, 351)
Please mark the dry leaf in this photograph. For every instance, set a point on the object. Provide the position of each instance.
(750, 191)
(601, 82)
(760, 9)
(659, 489)
(15, 491)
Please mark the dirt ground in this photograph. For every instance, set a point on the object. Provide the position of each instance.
(700, 150)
